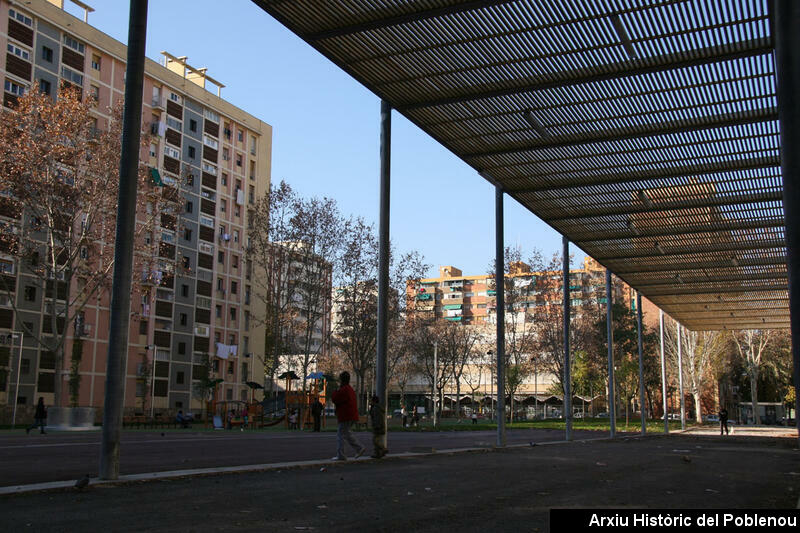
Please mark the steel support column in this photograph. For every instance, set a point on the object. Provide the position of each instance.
(642, 409)
(499, 277)
(612, 414)
(383, 263)
(680, 377)
(786, 19)
(123, 251)
(663, 373)
(567, 368)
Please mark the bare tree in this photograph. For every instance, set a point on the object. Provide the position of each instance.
(356, 301)
(460, 343)
(699, 349)
(272, 246)
(60, 179)
(751, 345)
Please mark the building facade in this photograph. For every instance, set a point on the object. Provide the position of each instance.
(214, 158)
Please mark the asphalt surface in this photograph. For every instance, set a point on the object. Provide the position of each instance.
(37, 458)
(500, 490)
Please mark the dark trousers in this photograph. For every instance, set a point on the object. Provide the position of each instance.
(37, 422)
(723, 426)
(316, 422)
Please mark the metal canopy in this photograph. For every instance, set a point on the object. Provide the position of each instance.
(644, 131)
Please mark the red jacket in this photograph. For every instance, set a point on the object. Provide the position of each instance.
(346, 407)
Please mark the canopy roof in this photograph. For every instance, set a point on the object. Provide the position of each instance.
(644, 131)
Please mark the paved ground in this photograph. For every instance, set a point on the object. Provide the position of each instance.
(39, 458)
(508, 490)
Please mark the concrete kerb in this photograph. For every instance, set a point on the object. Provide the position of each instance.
(172, 474)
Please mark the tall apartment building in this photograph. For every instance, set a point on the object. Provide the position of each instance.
(214, 156)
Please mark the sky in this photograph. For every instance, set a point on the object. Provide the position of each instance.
(326, 131)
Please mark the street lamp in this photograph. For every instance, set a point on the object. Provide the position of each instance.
(21, 337)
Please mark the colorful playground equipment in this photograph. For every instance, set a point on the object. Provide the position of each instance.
(299, 402)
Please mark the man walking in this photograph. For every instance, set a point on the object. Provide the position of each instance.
(723, 421)
(316, 412)
(39, 417)
(346, 413)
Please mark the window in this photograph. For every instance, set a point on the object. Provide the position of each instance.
(220, 284)
(25, 366)
(74, 44)
(186, 263)
(72, 76)
(231, 339)
(95, 61)
(181, 348)
(227, 131)
(187, 234)
(14, 88)
(19, 52)
(233, 313)
(190, 180)
(211, 169)
(210, 115)
(174, 97)
(189, 207)
(173, 123)
(179, 377)
(253, 145)
(191, 152)
(223, 206)
(30, 293)
(218, 314)
(221, 257)
(185, 290)
(210, 141)
(94, 92)
(19, 17)
(240, 136)
(47, 54)
(247, 320)
(192, 124)
(184, 319)
(235, 261)
(234, 287)
(44, 87)
(206, 221)
(236, 235)
(224, 179)
(225, 154)
(238, 160)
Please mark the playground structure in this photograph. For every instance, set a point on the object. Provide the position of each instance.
(299, 402)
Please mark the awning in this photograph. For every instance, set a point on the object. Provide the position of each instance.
(155, 175)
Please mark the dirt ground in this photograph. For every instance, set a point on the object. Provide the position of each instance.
(503, 490)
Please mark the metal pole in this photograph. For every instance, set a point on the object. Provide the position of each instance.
(612, 415)
(435, 380)
(499, 277)
(663, 374)
(123, 252)
(383, 266)
(680, 379)
(786, 18)
(641, 361)
(567, 369)
(16, 390)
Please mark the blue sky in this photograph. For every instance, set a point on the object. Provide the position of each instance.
(326, 131)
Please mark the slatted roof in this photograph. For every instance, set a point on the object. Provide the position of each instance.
(645, 131)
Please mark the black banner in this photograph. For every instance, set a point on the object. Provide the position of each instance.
(621, 520)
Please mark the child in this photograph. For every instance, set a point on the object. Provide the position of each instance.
(378, 421)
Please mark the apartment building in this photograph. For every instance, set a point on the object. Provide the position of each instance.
(214, 158)
(472, 299)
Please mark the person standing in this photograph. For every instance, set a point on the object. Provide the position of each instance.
(404, 414)
(245, 413)
(414, 416)
(346, 413)
(723, 421)
(378, 421)
(39, 417)
(316, 412)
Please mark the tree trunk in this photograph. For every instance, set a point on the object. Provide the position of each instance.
(59, 376)
(698, 414)
(458, 399)
(754, 398)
